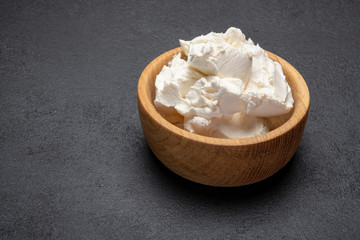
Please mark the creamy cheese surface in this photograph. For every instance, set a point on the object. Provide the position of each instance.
(224, 88)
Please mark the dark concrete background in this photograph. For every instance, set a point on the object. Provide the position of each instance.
(74, 163)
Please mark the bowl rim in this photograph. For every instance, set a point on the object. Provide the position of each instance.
(298, 113)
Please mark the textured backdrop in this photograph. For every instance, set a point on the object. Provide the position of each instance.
(74, 163)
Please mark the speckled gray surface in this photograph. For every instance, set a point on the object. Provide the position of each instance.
(74, 163)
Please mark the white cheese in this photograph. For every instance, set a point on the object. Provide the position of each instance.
(223, 88)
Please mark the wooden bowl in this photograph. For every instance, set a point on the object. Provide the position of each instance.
(216, 161)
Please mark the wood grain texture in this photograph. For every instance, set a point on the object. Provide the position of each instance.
(222, 162)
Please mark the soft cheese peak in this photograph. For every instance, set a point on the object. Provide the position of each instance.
(223, 55)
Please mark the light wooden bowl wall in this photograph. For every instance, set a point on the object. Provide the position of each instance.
(222, 162)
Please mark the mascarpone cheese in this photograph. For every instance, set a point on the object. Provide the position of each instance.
(223, 88)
